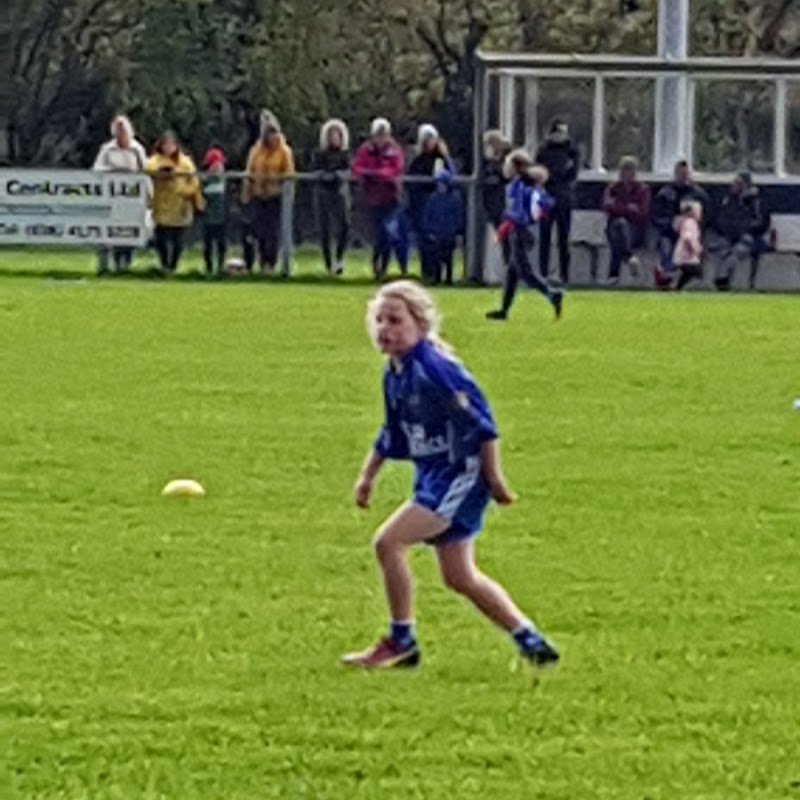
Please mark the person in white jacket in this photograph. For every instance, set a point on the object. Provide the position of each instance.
(122, 153)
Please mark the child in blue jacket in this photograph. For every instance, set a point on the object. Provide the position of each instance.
(442, 222)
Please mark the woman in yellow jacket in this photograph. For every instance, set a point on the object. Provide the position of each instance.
(269, 162)
(176, 197)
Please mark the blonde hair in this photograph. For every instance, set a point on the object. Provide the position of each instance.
(420, 305)
(692, 207)
(539, 173)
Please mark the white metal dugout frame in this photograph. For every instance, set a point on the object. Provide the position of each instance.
(516, 81)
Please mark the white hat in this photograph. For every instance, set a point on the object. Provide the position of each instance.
(380, 125)
(426, 131)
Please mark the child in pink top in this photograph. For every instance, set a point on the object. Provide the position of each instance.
(688, 252)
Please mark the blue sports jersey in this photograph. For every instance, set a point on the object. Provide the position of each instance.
(435, 413)
(437, 417)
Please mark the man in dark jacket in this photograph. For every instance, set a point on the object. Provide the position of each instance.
(493, 182)
(741, 224)
(667, 208)
(562, 160)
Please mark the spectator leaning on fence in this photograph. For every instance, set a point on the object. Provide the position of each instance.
(562, 160)
(378, 164)
(215, 216)
(331, 164)
(269, 163)
(627, 205)
(176, 198)
(739, 232)
(432, 157)
(122, 153)
(666, 210)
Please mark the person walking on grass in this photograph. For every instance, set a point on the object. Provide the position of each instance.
(527, 205)
(437, 417)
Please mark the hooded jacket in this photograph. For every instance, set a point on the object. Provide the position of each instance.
(425, 165)
(267, 164)
(331, 163)
(113, 158)
(742, 214)
(380, 169)
(443, 216)
(562, 160)
(176, 190)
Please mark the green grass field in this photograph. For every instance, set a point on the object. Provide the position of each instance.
(159, 648)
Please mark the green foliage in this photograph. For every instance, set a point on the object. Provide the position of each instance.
(206, 67)
(188, 650)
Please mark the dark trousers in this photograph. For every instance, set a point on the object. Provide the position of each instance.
(214, 241)
(333, 214)
(520, 242)
(561, 218)
(263, 232)
(381, 240)
(623, 239)
(169, 246)
(436, 259)
(687, 272)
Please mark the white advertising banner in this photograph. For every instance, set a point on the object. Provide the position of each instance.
(73, 207)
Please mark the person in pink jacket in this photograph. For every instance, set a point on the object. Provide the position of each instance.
(688, 253)
(379, 164)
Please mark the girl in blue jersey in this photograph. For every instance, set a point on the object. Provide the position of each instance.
(437, 417)
(527, 204)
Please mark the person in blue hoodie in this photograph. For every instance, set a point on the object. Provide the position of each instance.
(442, 222)
(527, 205)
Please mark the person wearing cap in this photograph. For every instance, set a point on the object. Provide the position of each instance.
(331, 163)
(269, 163)
(740, 227)
(176, 197)
(562, 160)
(378, 165)
(442, 223)
(122, 153)
(432, 157)
(215, 216)
(627, 206)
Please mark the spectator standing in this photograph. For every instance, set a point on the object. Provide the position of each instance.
(122, 153)
(666, 210)
(442, 223)
(688, 253)
(432, 157)
(269, 163)
(176, 198)
(493, 182)
(331, 163)
(627, 205)
(741, 226)
(562, 160)
(215, 216)
(378, 164)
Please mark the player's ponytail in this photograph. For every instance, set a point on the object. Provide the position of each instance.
(420, 305)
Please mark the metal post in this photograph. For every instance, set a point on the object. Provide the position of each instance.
(507, 103)
(781, 99)
(531, 114)
(599, 125)
(473, 235)
(671, 133)
(287, 226)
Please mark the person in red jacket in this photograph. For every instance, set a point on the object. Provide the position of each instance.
(627, 204)
(379, 165)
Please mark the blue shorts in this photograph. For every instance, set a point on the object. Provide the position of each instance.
(458, 493)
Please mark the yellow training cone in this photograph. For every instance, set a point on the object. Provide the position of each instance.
(183, 487)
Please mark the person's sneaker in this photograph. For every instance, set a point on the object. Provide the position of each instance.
(541, 654)
(634, 265)
(498, 314)
(611, 282)
(557, 299)
(385, 654)
(338, 267)
(662, 278)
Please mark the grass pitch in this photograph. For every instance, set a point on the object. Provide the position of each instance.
(159, 648)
